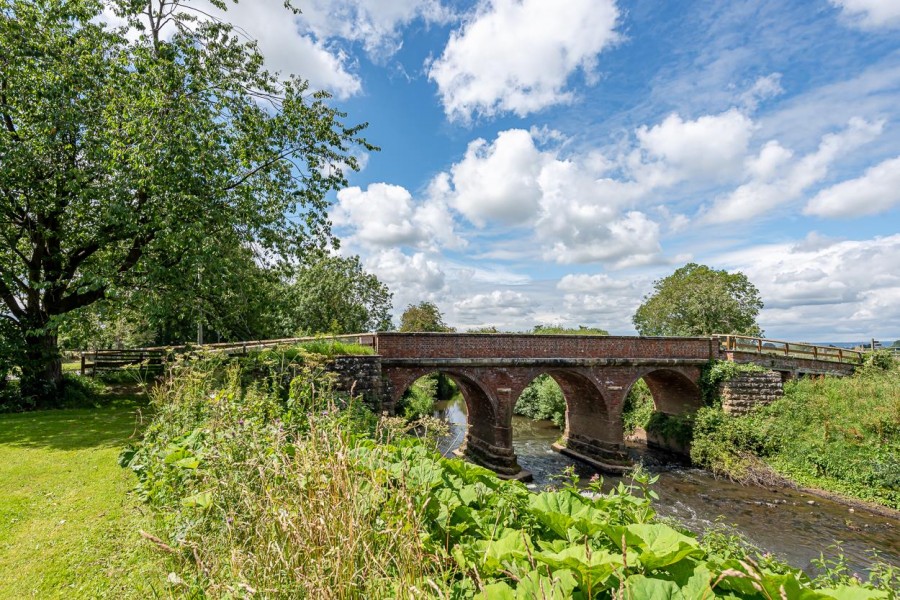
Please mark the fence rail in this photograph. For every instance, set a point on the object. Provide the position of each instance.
(756, 345)
(153, 359)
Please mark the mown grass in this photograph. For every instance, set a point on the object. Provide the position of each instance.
(68, 526)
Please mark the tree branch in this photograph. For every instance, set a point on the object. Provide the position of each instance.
(10, 300)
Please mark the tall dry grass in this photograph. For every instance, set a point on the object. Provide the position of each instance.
(264, 491)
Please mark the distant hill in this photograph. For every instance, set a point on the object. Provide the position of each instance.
(866, 343)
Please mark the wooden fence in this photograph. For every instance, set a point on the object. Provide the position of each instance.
(153, 359)
(755, 345)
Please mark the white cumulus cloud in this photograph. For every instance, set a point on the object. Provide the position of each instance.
(759, 195)
(387, 215)
(376, 24)
(878, 190)
(412, 278)
(871, 14)
(849, 287)
(517, 55)
(498, 181)
(709, 147)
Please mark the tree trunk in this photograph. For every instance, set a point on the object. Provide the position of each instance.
(41, 380)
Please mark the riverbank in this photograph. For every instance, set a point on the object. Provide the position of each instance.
(777, 520)
(840, 436)
(301, 492)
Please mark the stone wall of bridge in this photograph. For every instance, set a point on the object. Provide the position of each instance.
(743, 393)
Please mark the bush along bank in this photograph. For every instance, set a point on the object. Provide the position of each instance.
(837, 434)
(288, 490)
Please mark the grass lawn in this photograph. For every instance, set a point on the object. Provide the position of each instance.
(68, 526)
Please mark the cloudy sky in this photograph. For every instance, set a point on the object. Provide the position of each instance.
(545, 162)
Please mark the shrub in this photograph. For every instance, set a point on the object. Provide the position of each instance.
(638, 407)
(728, 446)
(543, 399)
(418, 399)
(716, 372)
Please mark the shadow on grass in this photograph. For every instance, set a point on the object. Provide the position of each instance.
(110, 425)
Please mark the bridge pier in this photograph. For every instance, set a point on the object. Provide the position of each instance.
(489, 440)
(594, 432)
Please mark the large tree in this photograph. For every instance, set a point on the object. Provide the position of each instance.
(696, 300)
(124, 150)
(333, 294)
(424, 316)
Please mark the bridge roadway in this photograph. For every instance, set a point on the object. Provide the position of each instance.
(594, 372)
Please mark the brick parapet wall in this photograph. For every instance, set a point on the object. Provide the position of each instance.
(454, 345)
(743, 393)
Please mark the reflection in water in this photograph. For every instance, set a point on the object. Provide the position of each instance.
(793, 525)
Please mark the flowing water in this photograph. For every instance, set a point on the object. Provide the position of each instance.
(794, 526)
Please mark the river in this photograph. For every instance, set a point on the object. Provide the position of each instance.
(795, 526)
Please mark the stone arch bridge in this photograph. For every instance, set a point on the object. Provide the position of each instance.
(594, 372)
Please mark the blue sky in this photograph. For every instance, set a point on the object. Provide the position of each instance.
(545, 162)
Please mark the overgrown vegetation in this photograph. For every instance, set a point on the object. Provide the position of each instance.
(838, 434)
(717, 372)
(270, 489)
(543, 399)
(638, 407)
(418, 400)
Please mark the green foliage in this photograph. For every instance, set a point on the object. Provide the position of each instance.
(696, 300)
(842, 434)
(418, 400)
(880, 359)
(312, 498)
(425, 317)
(638, 407)
(331, 347)
(678, 428)
(839, 434)
(717, 372)
(135, 158)
(729, 446)
(543, 399)
(560, 330)
(333, 294)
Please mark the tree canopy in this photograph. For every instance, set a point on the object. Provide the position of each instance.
(424, 316)
(696, 300)
(333, 294)
(125, 151)
(560, 330)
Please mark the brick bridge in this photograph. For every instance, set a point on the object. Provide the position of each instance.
(594, 372)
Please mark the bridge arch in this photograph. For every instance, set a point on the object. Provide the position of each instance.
(480, 403)
(488, 438)
(675, 390)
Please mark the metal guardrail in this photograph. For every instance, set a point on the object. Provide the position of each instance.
(154, 358)
(756, 345)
